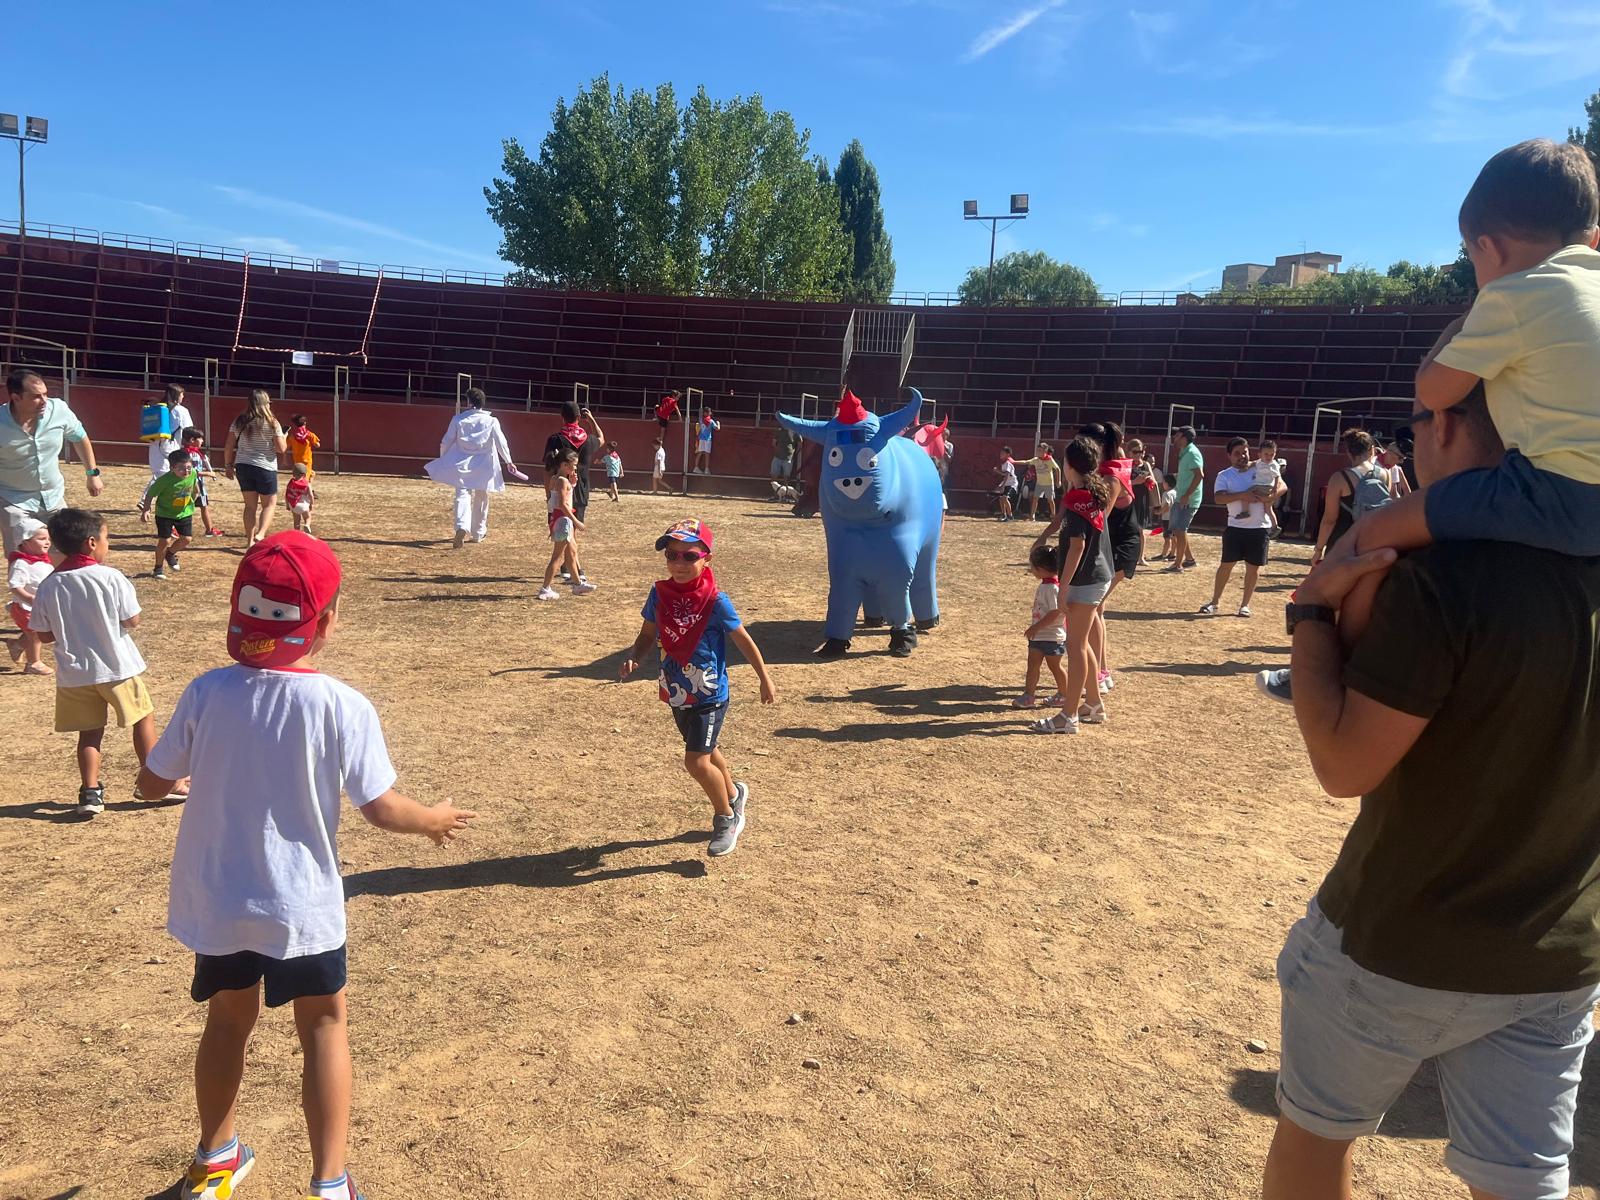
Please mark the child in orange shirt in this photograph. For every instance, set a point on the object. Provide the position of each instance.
(301, 443)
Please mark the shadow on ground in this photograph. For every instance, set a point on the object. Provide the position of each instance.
(572, 867)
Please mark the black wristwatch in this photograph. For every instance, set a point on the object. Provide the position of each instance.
(1294, 613)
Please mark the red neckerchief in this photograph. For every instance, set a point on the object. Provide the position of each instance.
(683, 610)
(1053, 580)
(74, 562)
(24, 556)
(1120, 469)
(1082, 502)
(301, 433)
(576, 434)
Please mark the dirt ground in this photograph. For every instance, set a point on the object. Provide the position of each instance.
(1024, 966)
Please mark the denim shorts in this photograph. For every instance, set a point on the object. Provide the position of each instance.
(1050, 649)
(701, 726)
(561, 529)
(263, 481)
(1516, 502)
(1508, 1065)
(1088, 593)
(1179, 518)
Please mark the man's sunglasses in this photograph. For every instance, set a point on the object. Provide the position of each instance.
(685, 556)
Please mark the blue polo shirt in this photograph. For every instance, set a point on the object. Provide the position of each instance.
(705, 679)
(30, 470)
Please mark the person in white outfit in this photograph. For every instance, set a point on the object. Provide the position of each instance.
(181, 420)
(470, 455)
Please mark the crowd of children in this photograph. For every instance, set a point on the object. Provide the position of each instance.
(251, 741)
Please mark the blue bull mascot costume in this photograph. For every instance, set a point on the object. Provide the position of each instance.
(882, 512)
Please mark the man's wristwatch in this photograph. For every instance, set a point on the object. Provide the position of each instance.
(1294, 613)
(91, 472)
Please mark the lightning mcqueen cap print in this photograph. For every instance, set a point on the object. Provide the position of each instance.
(283, 585)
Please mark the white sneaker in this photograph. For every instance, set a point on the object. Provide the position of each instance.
(583, 588)
(548, 593)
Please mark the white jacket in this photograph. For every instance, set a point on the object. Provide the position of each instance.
(471, 452)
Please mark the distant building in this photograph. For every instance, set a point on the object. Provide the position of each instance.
(1289, 270)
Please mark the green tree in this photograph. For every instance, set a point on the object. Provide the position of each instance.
(869, 266)
(1588, 136)
(1432, 284)
(595, 210)
(1030, 277)
(632, 192)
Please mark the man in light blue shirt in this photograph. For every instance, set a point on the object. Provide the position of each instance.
(33, 428)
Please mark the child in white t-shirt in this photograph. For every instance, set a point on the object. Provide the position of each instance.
(1268, 473)
(658, 468)
(28, 566)
(89, 611)
(611, 460)
(1047, 635)
(255, 889)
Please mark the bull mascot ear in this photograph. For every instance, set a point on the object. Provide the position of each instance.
(812, 431)
(891, 426)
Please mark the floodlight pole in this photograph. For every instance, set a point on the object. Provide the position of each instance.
(28, 134)
(994, 230)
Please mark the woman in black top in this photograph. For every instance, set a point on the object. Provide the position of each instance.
(1086, 570)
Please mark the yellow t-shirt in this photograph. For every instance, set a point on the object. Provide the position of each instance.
(1534, 340)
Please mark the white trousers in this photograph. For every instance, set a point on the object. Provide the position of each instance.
(472, 511)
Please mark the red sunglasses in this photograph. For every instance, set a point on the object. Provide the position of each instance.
(685, 556)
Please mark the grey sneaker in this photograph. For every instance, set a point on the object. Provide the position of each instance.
(725, 830)
(1275, 684)
(91, 800)
(172, 561)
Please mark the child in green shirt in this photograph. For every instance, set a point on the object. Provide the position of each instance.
(172, 496)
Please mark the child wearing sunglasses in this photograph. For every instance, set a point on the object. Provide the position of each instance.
(693, 621)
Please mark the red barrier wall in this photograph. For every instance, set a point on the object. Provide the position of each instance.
(389, 438)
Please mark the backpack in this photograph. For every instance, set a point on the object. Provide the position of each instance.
(1369, 490)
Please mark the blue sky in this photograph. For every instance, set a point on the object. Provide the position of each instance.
(1159, 141)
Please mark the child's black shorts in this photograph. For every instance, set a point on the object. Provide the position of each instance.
(167, 526)
(287, 978)
(701, 726)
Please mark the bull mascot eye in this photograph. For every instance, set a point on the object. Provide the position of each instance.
(867, 459)
(835, 457)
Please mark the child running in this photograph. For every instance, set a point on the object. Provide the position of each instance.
(564, 527)
(28, 567)
(172, 496)
(1532, 338)
(612, 461)
(195, 443)
(301, 497)
(89, 611)
(255, 891)
(693, 621)
(1047, 636)
(302, 443)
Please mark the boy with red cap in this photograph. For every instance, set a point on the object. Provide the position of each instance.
(270, 743)
(693, 622)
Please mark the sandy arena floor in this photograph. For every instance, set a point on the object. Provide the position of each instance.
(1024, 966)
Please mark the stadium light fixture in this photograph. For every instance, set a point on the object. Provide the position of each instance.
(35, 132)
(1019, 212)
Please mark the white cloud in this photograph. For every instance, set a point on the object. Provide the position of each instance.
(266, 244)
(1111, 223)
(358, 224)
(1150, 31)
(998, 35)
(1493, 60)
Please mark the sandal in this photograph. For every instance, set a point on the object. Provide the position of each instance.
(1026, 700)
(1060, 723)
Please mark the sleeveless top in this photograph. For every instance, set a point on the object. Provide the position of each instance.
(256, 446)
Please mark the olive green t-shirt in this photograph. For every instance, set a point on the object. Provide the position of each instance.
(1475, 866)
(172, 497)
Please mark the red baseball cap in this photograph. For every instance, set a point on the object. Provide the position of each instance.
(692, 530)
(283, 585)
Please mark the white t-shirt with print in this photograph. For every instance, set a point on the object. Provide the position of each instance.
(85, 609)
(267, 753)
(1046, 600)
(1243, 514)
(28, 576)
